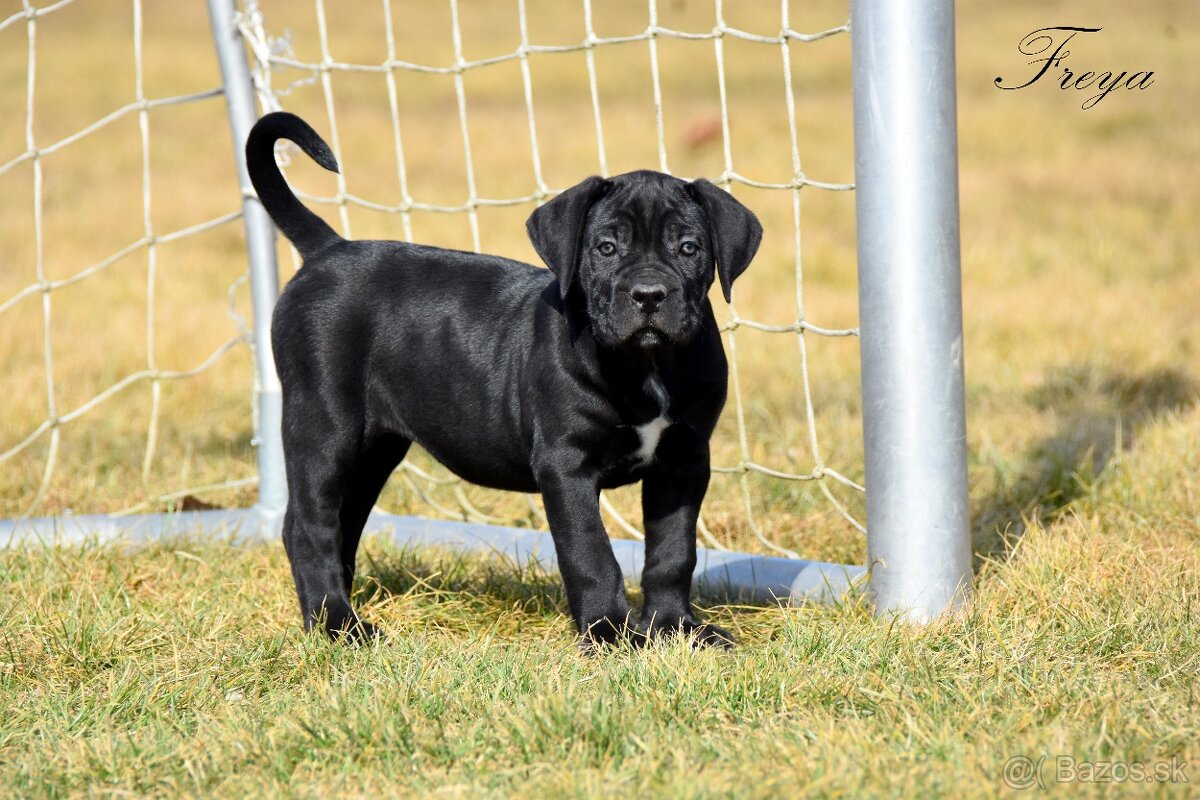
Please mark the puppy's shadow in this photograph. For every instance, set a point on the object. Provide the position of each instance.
(489, 585)
(442, 576)
(1099, 416)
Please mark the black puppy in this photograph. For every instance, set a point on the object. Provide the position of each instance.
(606, 370)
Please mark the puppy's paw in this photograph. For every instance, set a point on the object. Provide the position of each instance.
(699, 634)
(353, 632)
(604, 633)
(706, 634)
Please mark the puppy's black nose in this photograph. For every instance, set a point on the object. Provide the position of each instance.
(647, 296)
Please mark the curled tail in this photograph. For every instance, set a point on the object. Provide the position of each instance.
(308, 232)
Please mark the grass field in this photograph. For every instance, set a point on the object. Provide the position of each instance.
(180, 669)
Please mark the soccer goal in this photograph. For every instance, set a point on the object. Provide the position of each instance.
(451, 124)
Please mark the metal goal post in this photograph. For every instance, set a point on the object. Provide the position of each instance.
(906, 169)
(910, 304)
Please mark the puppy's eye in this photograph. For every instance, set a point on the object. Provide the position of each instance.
(688, 248)
(607, 249)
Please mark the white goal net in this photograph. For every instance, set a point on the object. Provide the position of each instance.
(122, 325)
(451, 121)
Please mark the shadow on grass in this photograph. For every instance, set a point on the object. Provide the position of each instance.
(1099, 416)
(491, 584)
(441, 575)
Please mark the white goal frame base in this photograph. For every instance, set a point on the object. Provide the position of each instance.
(720, 574)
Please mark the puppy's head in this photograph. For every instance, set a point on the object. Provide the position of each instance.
(643, 249)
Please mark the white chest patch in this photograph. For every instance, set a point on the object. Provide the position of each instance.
(649, 434)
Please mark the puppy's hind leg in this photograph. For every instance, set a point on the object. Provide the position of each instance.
(364, 483)
(320, 463)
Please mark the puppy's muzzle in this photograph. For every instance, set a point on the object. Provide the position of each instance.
(649, 308)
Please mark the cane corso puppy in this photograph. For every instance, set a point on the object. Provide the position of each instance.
(603, 370)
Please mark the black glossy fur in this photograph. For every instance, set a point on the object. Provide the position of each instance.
(513, 377)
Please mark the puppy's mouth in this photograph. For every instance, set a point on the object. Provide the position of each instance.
(649, 337)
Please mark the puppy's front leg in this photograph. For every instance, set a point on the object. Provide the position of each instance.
(591, 575)
(672, 490)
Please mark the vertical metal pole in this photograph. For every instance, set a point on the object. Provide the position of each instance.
(264, 273)
(910, 304)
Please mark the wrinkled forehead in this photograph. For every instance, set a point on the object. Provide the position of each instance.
(645, 203)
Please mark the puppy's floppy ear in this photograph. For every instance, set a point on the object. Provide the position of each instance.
(736, 232)
(557, 227)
